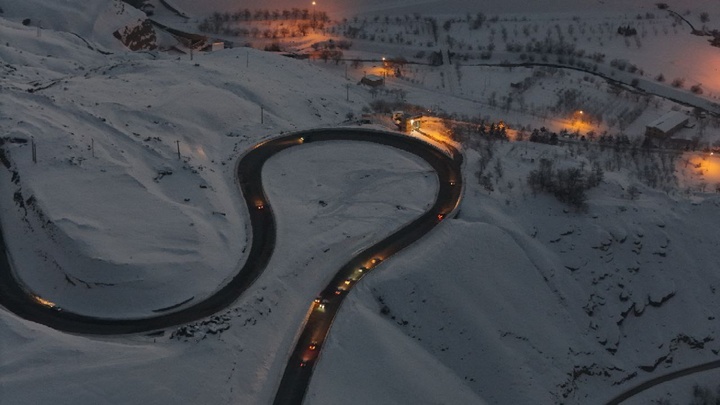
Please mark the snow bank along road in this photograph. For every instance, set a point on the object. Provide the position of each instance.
(18, 299)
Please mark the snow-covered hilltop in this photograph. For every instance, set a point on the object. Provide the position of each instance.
(130, 205)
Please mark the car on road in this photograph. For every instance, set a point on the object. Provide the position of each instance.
(313, 345)
(320, 301)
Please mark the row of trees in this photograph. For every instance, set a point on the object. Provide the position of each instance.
(230, 23)
(297, 30)
(248, 15)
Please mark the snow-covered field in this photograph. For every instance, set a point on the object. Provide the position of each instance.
(519, 300)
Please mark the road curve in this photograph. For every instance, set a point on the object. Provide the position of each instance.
(18, 299)
(663, 379)
(323, 310)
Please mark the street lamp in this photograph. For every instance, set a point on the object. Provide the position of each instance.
(313, 4)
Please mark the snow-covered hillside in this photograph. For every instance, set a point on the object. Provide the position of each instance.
(92, 20)
(521, 299)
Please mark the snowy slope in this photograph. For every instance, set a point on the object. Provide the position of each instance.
(93, 20)
(211, 106)
(522, 301)
(519, 300)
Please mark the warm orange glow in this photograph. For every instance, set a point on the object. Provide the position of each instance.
(435, 129)
(697, 169)
(44, 302)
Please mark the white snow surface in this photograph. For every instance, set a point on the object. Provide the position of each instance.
(92, 20)
(518, 300)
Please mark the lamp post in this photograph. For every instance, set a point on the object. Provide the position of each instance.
(314, 4)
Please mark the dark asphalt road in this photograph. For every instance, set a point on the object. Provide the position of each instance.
(301, 364)
(14, 297)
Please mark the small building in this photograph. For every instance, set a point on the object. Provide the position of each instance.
(372, 80)
(210, 47)
(406, 122)
(665, 126)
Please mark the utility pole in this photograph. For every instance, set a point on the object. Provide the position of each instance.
(347, 91)
(92, 146)
(262, 114)
(33, 148)
(178, 149)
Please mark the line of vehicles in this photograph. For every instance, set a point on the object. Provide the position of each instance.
(321, 301)
(311, 352)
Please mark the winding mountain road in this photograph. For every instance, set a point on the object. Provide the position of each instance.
(18, 299)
